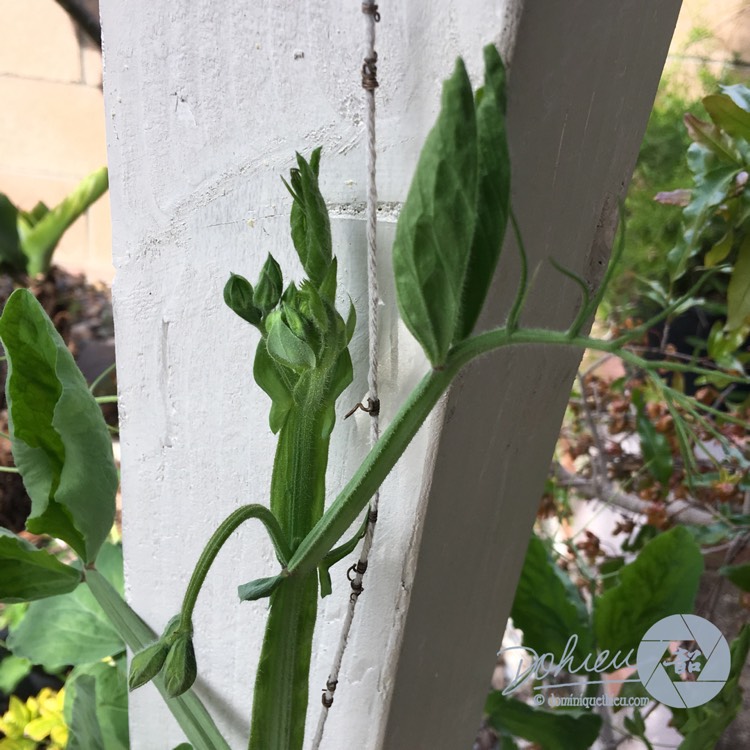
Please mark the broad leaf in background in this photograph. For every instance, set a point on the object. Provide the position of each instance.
(739, 575)
(702, 726)
(71, 629)
(61, 444)
(84, 731)
(548, 608)
(551, 730)
(110, 701)
(28, 573)
(728, 116)
(493, 193)
(13, 669)
(661, 581)
(436, 225)
(738, 291)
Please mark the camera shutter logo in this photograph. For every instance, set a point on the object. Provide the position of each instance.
(706, 663)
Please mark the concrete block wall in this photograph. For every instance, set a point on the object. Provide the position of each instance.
(52, 123)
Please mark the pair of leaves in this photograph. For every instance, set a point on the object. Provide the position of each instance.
(450, 230)
(60, 441)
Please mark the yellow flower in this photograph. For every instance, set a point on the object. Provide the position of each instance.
(25, 725)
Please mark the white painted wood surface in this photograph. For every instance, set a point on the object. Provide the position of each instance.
(206, 104)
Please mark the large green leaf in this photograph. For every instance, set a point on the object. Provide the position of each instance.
(661, 581)
(738, 291)
(60, 441)
(550, 730)
(39, 241)
(548, 608)
(109, 698)
(28, 573)
(728, 116)
(84, 730)
(493, 193)
(704, 725)
(71, 629)
(436, 225)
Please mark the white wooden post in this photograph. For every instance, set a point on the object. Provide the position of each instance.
(206, 104)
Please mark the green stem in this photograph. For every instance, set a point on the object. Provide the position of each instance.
(297, 499)
(217, 541)
(381, 459)
(191, 714)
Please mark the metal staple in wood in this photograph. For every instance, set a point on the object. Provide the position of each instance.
(369, 84)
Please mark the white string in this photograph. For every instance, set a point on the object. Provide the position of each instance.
(369, 83)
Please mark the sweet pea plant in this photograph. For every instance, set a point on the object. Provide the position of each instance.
(447, 244)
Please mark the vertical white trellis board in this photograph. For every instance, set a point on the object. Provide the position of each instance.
(206, 103)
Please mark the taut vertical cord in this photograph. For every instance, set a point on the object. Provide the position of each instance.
(369, 84)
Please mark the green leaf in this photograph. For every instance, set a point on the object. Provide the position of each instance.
(548, 608)
(260, 588)
(436, 224)
(739, 575)
(709, 136)
(71, 629)
(11, 257)
(738, 291)
(661, 581)
(109, 698)
(310, 225)
(85, 732)
(287, 349)
(720, 250)
(704, 725)
(728, 116)
(493, 193)
(276, 383)
(551, 730)
(29, 573)
(13, 669)
(60, 442)
(739, 94)
(40, 241)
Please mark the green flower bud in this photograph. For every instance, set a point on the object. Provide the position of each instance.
(180, 669)
(146, 664)
(238, 294)
(269, 287)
